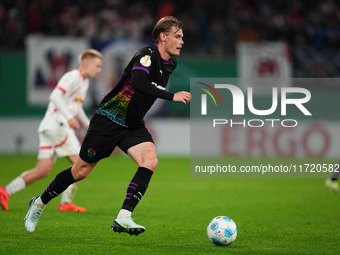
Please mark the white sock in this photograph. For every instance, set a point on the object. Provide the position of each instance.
(39, 203)
(124, 213)
(68, 194)
(16, 185)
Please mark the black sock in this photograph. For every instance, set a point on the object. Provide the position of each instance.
(58, 185)
(137, 188)
(336, 173)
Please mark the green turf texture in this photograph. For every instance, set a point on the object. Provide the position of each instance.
(274, 216)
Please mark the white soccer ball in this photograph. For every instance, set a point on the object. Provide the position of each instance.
(222, 231)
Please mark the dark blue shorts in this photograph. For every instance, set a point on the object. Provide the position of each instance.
(104, 135)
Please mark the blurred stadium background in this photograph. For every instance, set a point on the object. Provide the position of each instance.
(41, 39)
(274, 40)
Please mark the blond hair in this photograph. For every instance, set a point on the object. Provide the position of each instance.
(89, 53)
(164, 25)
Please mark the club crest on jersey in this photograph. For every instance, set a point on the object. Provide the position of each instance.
(79, 100)
(145, 61)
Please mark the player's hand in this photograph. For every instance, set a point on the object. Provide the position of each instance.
(182, 97)
(74, 123)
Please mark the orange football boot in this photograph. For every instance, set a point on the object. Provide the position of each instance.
(4, 198)
(69, 207)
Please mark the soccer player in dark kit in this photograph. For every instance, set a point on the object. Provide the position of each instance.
(119, 122)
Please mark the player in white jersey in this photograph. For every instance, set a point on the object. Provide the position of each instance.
(57, 137)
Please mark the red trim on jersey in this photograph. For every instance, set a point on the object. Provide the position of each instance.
(45, 147)
(58, 145)
(62, 89)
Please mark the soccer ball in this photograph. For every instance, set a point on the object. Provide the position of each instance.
(222, 231)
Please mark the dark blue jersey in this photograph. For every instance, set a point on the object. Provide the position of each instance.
(144, 80)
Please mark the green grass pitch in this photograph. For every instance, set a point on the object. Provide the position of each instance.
(274, 216)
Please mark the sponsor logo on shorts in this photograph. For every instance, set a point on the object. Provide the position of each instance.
(91, 152)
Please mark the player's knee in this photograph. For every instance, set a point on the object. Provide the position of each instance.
(80, 175)
(154, 163)
(151, 163)
(81, 172)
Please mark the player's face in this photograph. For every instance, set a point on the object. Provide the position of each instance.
(174, 41)
(94, 66)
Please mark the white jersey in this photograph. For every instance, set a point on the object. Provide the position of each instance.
(69, 95)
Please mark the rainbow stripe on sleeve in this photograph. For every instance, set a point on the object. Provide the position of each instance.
(116, 108)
